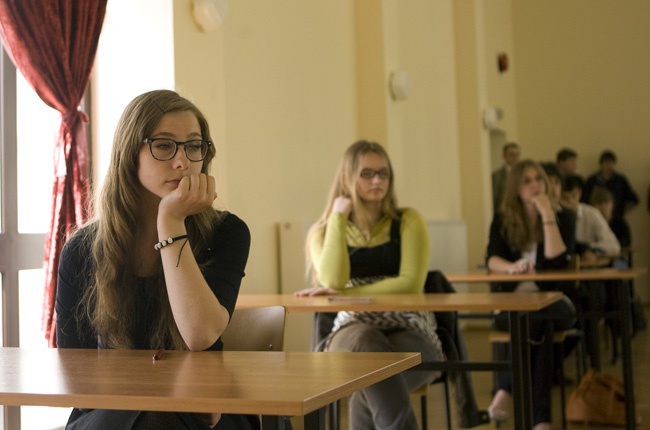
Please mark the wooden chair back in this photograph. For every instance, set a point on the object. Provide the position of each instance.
(260, 329)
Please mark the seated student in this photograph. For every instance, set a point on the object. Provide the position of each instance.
(124, 285)
(365, 244)
(593, 234)
(594, 237)
(511, 154)
(603, 200)
(554, 177)
(555, 195)
(530, 233)
(567, 162)
(625, 197)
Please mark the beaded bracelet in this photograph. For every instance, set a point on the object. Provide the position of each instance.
(168, 241)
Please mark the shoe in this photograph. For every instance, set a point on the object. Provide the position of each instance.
(474, 420)
(499, 416)
(498, 410)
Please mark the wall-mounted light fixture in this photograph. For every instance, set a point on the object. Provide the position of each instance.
(209, 14)
(400, 85)
(491, 117)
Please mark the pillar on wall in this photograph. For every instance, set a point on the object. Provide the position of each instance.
(372, 98)
(473, 138)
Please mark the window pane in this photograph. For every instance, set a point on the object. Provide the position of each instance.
(30, 299)
(43, 418)
(1, 318)
(37, 127)
(2, 227)
(31, 286)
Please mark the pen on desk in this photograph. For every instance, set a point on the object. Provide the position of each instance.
(158, 355)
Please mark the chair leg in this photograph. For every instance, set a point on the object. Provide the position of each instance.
(581, 358)
(447, 403)
(424, 402)
(499, 353)
(562, 385)
(334, 415)
(615, 336)
(423, 408)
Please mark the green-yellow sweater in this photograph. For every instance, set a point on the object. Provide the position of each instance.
(331, 259)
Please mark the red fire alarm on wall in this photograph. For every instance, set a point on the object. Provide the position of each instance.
(502, 62)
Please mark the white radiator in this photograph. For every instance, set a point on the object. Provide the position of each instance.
(448, 244)
(291, 251)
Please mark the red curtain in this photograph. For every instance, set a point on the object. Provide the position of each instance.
(53, 43)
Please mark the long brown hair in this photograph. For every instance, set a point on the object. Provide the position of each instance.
(515, 226)
(345, 184)
(110, 301)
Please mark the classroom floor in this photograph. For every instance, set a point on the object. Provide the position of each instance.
(479, 349)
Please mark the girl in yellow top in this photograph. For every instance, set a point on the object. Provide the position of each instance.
(364, 244)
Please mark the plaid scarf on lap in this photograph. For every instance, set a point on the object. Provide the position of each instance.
(419, 321)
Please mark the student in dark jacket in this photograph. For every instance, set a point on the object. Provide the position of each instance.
(531, 232)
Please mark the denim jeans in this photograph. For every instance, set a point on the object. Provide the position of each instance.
(386, 405)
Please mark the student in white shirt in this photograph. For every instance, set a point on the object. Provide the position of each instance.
(593, 237)
(593, 234)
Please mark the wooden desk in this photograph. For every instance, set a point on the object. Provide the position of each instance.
(551, 275)
(437, 302)
(267, 383)
(516, 304)
(622, 307)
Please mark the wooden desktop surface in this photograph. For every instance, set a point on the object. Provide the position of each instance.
(478, 302)
(551, 275)
(267, 383)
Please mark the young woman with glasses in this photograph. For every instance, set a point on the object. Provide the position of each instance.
(158, 267)
(364, 244)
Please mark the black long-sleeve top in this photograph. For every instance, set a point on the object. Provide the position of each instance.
(498, 245)
(227, 251)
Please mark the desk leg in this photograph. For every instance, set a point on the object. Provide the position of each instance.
(592, 315)
(11, 417)
(315, 420)
(522, 382)
(624, 304)
(273, 422)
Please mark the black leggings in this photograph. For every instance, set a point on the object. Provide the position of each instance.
(100, 419)
(559, 316)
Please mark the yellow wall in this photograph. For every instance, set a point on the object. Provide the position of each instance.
(583, 69)
(289, 93)
(288, 85)
(290, 111)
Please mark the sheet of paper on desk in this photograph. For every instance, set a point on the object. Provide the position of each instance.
(352, 299)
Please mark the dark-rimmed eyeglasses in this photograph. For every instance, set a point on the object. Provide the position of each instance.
(530, 179)
(371, 173)
(164, 149)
